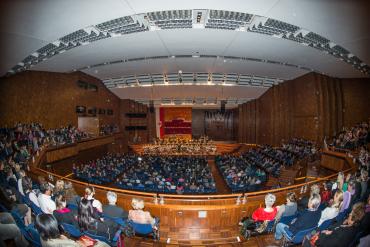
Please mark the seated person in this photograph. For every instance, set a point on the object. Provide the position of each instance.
(332, 211)
(267, 213)
(326, 194)
(112, 210)
(47, 205)
(342, 234)
(302, 203)
(87, 221)
(63, 214)
(28, 191)
(138, 215)
(288, 209)
(89, 195)
(70, 194)
(10, 230)
(307, 219)
(50, 236)
(10, 202)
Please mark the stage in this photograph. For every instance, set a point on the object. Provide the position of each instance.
(222, 147)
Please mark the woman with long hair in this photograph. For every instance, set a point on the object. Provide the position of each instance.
(88, 221)
(332, 211)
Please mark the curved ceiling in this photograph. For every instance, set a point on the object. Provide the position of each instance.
(279, 39)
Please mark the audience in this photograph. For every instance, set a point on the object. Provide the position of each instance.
(267, 213)
(307, 219)
(47, 205)
(96, 204)
(302, 203)
(30, 194)
(167, 174)
(288, 209)
(63, 214)
(351, 138)
(331, 212)
(138, 215)
(88, 221)
(50, 235)
(70, 194)
(342, 234)
(10, 230)
(112, 210)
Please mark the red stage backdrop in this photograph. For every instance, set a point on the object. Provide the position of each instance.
(175, 121)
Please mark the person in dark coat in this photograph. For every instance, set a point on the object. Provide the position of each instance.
(112, 210)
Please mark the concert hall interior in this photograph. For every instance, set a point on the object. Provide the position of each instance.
(185, 123)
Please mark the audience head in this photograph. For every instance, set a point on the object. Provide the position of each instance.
(60, 202)
(89, 193)
(291, 197)
(22, 173)
(357, 213)
(270, 200)
(69, 190)
(46, 189)
(59, 185)
(112, 197)
(314, 201)
(47, 226)
(351, 186)
(338, 199)
(315, 189)
(27, 184)
(340, 178)
(137, 204)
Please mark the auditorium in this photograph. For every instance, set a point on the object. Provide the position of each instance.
(185, 123)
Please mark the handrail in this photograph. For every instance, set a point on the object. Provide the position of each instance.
(194, 197)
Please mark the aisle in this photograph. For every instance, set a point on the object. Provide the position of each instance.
(221, 185)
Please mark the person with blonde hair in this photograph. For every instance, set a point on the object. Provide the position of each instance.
(339, 183)
(302, 203)
(138, 215)
(59, 188)
(89, 195)
(332, 211)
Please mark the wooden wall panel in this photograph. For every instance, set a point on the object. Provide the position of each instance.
(356, 99)
(311, 106)
(51, 99)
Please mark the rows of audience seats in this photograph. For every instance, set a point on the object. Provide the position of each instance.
(150, 173)
(248, 171)
(335, 213)
(353, 137)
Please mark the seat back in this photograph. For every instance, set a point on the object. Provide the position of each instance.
(117, 220)
(325, 224)
(18, 219)
(35, 209)
(72, 230)
(143, 229)
(31, 235)
(298, 237)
